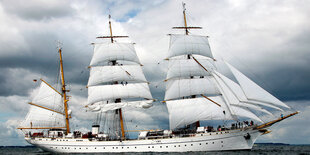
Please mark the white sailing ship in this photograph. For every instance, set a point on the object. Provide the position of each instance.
(195, 92)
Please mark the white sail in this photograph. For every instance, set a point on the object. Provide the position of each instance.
(235, 94)
(189, 44)
(104, 52)
(188, 67)
(108, 74)
(253, 91)
(233, 86)
(262, 104)
(105, 106)
(253, 107)
(245, 113)
(186, 87)
(187, 111)
(238, 92)
(122, 91)
(49, 98)
(39, 117)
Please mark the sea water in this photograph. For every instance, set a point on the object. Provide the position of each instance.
(262, 149)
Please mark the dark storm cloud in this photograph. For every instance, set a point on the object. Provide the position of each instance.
(44, 60)
(286, 74)
(36, 9)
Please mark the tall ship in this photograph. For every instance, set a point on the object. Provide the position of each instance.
(197, 96)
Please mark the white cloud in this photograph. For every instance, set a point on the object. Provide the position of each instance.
(294, 129)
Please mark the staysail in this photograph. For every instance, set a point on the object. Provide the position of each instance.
(255, 92)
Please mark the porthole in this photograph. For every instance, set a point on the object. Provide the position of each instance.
(199, 143)
(152, 146)
(135, 147)
(184, 145)
(160, 146)
(206, 143)
(166, 146)
(212, 142)
(191, 144)
(221, 141)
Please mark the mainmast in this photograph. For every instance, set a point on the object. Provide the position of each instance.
(64, 92)
(118, 111)
(111, 35)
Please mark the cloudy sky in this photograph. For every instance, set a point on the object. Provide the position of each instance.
(267, 40)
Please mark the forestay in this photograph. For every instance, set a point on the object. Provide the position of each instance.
(189, 44)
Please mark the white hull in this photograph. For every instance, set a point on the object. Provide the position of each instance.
(217, 141)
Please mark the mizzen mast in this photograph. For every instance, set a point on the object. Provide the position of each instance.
(64, 92)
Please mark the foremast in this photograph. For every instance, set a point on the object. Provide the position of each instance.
(192, 72)
(186, 28)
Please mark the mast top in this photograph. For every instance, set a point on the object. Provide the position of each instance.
(185, 23)
(111, 35)
(59, 44)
